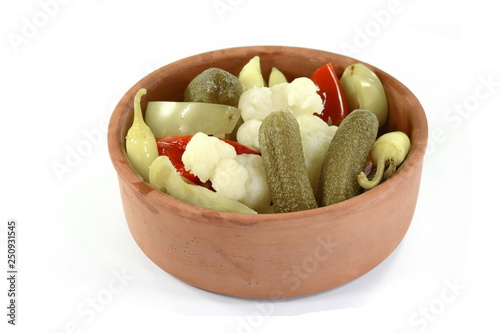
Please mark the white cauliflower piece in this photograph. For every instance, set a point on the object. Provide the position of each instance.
(303, 98)
(229, 179)
(299, 97)
(280, 97)
(237, 177)
(316, 136)
(257, 194)
(203, 153)
(248, 134)
(256, 103)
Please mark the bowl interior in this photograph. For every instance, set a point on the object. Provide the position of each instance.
(168, 84)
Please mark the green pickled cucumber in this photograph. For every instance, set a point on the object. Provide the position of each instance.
(216, 86)
(284, 162)
(346, 157)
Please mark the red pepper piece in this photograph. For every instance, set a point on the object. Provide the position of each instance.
(240, 149)
(331, 92)
(173, 147)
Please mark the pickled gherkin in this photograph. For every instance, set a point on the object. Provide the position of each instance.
(346, 157)
(284, 162)
(216, 86)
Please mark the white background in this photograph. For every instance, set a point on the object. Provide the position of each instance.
(64, 66)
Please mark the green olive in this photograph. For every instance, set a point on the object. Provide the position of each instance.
(216, 86)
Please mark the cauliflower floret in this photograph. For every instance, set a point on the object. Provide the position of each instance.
(203, 153)
(257, 194)
(299, 97)
(229, 179)
(280, 97)
(237, 177)
(303, 98)
(316, 136)
(248, 134)
(256, 103)
(243, 179)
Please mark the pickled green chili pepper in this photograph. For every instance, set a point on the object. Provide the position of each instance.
(364, 90)
(251, 75)
(276, 77)
(140, 141)
(387, 153)
(165, 178)
(188, 118)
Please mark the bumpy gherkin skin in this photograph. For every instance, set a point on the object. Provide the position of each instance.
(346, 157)
(284, 162)
(214, 85)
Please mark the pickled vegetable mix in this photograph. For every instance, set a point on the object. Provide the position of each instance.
(238, 143)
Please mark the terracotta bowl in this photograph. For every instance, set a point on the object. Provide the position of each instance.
(268, 255)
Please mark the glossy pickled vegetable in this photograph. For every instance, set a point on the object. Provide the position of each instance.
(140, 142)
(276, 77)
(251, 76)
(363, 90)
(164, 177)
(387, 153)
(335, 106)
(214, 85)
(346, 157)
(286, 173)
(188, 118)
